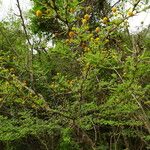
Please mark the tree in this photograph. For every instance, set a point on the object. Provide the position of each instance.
(90, 90)
(58, 17)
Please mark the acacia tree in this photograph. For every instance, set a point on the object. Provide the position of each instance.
(91, 90)
(58, 17)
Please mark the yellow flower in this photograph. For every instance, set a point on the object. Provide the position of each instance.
(67, 41)
(105, 20)
(84, 21)
(97, 39)
(97, 29)
(92, 38)
(73, 28)
(130, 13)
(70, 82)
(86, 49)
(87, 17)
(38, 13)
(71, 34)
(114, 9)
(72, 10)
(86, 27)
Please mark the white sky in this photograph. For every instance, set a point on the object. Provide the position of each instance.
(7, 5)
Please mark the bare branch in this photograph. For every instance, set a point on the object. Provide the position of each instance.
(116, 3)
(23, 22)
(30, 57)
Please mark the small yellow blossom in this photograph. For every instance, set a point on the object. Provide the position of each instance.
(105, 20)
(130, 13)
(97, 30)
(86, 17)
(38, 13)
(84, 21)
(114, 9)
(71, 34)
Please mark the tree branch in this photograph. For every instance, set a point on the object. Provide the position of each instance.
(30, 54)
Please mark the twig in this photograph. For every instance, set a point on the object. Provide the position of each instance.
(30, 57)
(23, 22)
(116, 3)
(134, 6)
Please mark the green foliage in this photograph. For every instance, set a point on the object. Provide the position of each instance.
(67, 141)
(88, 91)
